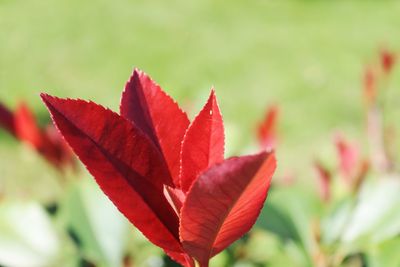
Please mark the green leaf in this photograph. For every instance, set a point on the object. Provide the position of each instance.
(334, 223)
(376, 216)
(289, 213)
(385, 255)
(27, 235)
(97, 225)
(278, 222)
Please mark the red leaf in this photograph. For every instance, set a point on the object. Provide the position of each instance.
(324, 181)
(348, 157)
(7, 119)
(133, 158)
(181, 258)
(157, 115)
(126, 165)
(267, 130)
(48, 142)
(203, 144)
(370, 90)
(388, 59)
(224, 203)
(175, 198)
(26, 126)
(54, 148)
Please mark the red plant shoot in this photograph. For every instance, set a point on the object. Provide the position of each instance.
(388, 60)
(348, 155)
(375, 86)
(267, 130)
(166, 175)
(7, 120)
(47, 142)
(324, 181)
(370, 86)
(352, 165)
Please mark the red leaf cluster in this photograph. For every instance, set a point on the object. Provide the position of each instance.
(376, 75)
(47, 142)
(166, 175)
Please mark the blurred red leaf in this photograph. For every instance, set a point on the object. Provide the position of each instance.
(267, 130)
(370, 89)
(348, 157)
(388, 59)
(324, 181)
(47, 142)
(352, 166)
(133, 158)
(7, 119)
(26, 126)
(55, 149)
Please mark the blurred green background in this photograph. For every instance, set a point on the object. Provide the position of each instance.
(305, 56)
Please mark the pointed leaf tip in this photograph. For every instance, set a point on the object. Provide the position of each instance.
(157, 115)
(203, 144)
(46, 98)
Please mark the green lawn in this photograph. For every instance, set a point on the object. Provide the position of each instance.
(307, 56)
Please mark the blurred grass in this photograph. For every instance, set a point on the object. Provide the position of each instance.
(307, 56)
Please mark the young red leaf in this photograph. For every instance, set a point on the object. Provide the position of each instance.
(54, 148)
(388, 59)
(182, 258)
(175, 197)
(133, 159)
(7, 119)
(348, 157)
(47, 142)
(26, 126)
(224, 203)
(124, 162)
(203, 144)
(157, 115)
(267, 130)
(370, 90)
